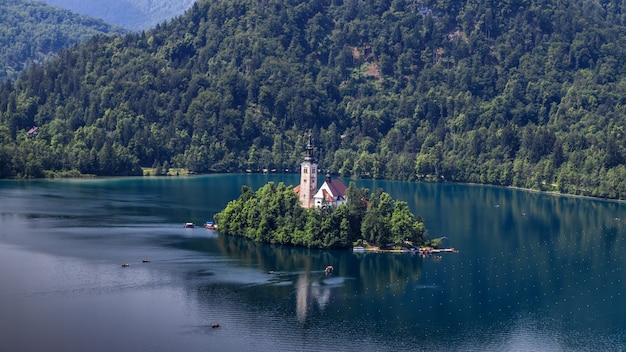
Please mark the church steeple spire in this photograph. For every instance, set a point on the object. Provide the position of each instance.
(309, 150)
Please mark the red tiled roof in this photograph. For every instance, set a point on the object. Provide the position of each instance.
(337, 188)
(33, 131)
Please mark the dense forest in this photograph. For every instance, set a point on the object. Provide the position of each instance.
(273, 214)
(32, 32)
(527, 93)
(131, 14)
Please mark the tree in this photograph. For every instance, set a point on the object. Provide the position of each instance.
(505, 93)
(273, 214)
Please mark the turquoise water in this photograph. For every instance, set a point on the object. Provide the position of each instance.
(535, 272)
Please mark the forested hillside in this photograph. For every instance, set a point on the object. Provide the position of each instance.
(31, 32)
(132, 14)
(524, 93)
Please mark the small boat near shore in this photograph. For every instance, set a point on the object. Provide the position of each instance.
(209, 225)
(189, 225)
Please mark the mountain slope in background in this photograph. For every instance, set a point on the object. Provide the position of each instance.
(132, 14)
(31, 32)
(527, 93)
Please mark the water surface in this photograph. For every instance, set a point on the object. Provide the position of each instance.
(535, 272)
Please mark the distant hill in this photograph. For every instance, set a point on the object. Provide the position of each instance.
(132, 14)
(31, 32)
(526, 93)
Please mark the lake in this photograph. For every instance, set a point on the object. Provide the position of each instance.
(535, 272)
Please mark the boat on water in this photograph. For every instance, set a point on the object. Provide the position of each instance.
(329, 270)
(358, 249)
(189, 225)
(209, 225)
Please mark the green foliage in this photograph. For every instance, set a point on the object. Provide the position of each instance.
(32, 32)
(273, 214)
(527, 94)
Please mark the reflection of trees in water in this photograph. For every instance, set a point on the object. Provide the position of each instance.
(299, 273)
(275, 257)
(381, 272)
(552, 274)
(368, 270)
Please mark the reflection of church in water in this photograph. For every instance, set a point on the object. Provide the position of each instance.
(310, 293)
(332, 192)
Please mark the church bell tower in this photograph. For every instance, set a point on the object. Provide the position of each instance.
(308, 177)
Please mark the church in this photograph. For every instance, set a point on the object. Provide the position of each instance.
(332, 192)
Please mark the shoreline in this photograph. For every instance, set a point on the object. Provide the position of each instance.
(193, 174)
(531, 190)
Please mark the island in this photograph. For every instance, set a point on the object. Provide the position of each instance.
(332, 216)
(273, 214)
